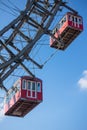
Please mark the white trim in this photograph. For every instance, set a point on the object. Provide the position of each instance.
(31, 91)
(24, 88)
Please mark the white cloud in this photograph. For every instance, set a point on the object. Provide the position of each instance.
(83, 80)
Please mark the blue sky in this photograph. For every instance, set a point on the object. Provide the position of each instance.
(64, 105)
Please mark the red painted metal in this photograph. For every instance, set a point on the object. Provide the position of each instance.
(25, 94)
(68, 28)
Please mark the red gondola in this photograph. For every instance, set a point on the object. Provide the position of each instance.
(68, 28)
(25, 94)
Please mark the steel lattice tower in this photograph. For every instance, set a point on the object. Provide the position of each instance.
(17, 55)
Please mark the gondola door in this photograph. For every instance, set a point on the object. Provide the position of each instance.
(31, 89)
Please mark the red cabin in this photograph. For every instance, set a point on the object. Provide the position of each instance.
(25, 94)
(68, 28)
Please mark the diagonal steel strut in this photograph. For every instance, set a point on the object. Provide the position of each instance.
(8, 66)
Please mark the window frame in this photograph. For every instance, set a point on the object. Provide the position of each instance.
(33, 82)
(28, 85)
(39, 90)
(24, 84)
(79, 20)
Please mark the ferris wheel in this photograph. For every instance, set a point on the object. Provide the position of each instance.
(34, 28)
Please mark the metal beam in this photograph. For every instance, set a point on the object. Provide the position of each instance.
(5, 29)
(37, 37)
(27, 70)
(9, 71)
(22, 35)
(42, 27)
(69, 8)
(19, 18)
(12, 36)
(42, 8)
(33, 61)
(7, 49)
